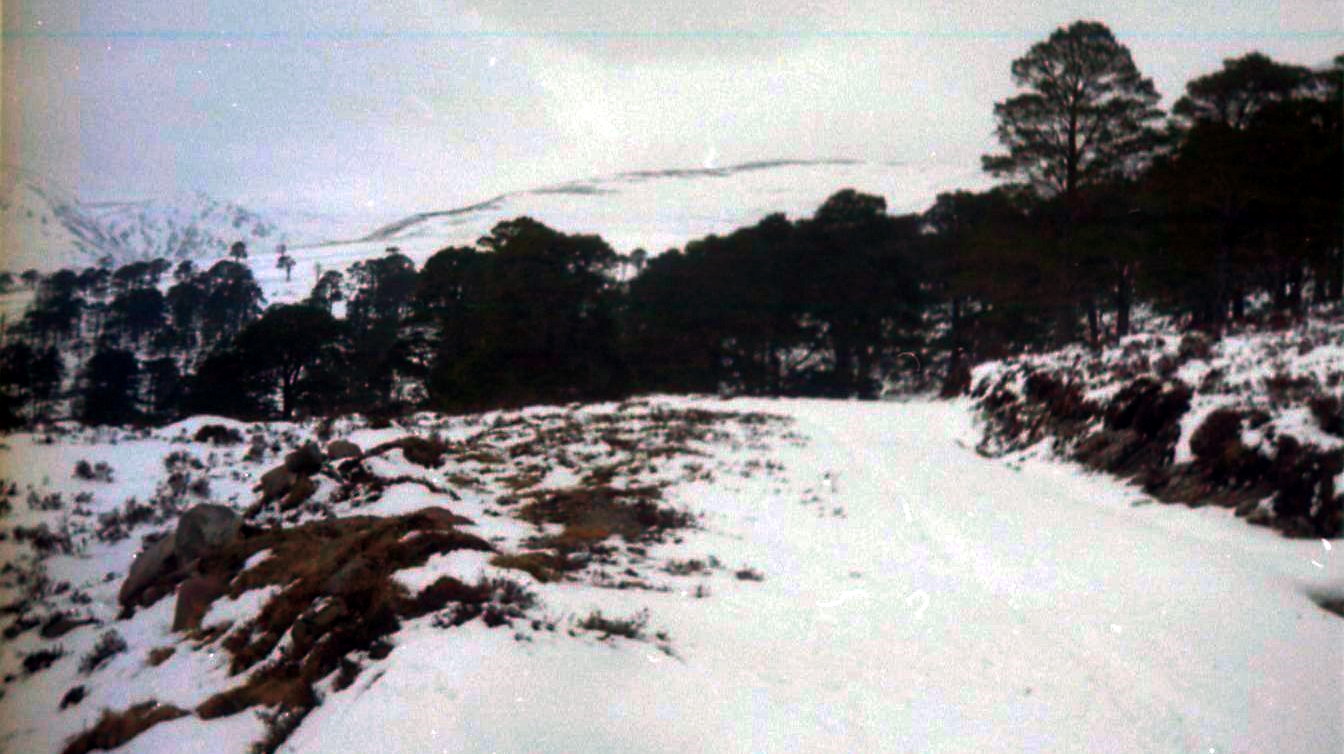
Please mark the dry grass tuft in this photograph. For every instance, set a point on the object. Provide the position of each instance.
(116, 728)
(545, 567)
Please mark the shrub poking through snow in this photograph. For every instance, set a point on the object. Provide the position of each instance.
(99, 472)
(1304, 481)
(542, 566)
(280, 724)
(109, 645)
(42, 659)
(218, 434)
(1328, 411)
(73, 697)
(1217, 446)
(631, 627)
(750, 574)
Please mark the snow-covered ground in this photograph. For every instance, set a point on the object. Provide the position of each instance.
(872, 584)
(1272, 369)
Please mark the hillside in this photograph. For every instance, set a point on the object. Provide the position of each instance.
(653, 210)
(48, 229)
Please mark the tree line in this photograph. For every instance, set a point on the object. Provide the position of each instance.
(1232, 199)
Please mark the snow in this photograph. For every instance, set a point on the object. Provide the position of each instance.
(915, 597)
(236, 609)
(1053, 617)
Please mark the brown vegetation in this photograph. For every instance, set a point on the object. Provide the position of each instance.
(116, 728)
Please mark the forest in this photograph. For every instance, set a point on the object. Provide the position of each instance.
(1224, 209)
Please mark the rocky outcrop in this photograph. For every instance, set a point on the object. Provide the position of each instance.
(275, 483)
(341, 449)
(201, 530)
(194, 597)
(204, 528)
(305, 461)
(156, 559)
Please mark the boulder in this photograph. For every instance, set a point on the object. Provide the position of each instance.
(194, 597)
(275, 483)
(422, 452)
(304, 487)
(155, 560)
(338, 449)
(352, 576)
(306, 460)
(437, 517)
(203, 528)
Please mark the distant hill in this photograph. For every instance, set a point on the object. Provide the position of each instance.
(660, 209)
(47, 228)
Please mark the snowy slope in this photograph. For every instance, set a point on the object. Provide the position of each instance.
(191, 226)
(47, 228)
(653, 210)
(915, 597)
(42, 226)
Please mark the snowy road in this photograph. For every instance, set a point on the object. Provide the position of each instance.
(916, 598)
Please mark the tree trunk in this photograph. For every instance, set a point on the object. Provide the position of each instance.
(1295, 285)
(1124, 292)
(844, 366)
(954, 331)
(1093, 322)
(1223, 284)
(1335, 290)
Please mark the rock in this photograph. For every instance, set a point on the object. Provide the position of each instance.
(436, 517)
(338, 449)
(350, 578)
(422, 452)
(275, 483)
(203, 528)
(194, 597)
(303, 489)
(155, 560)
(306, 460)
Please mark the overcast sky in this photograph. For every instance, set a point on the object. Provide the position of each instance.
(425, 104)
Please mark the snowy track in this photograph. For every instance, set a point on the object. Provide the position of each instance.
(918, 598)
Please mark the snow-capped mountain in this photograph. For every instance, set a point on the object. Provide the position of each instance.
(192, 226)
(41, 225)
(47, 228)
